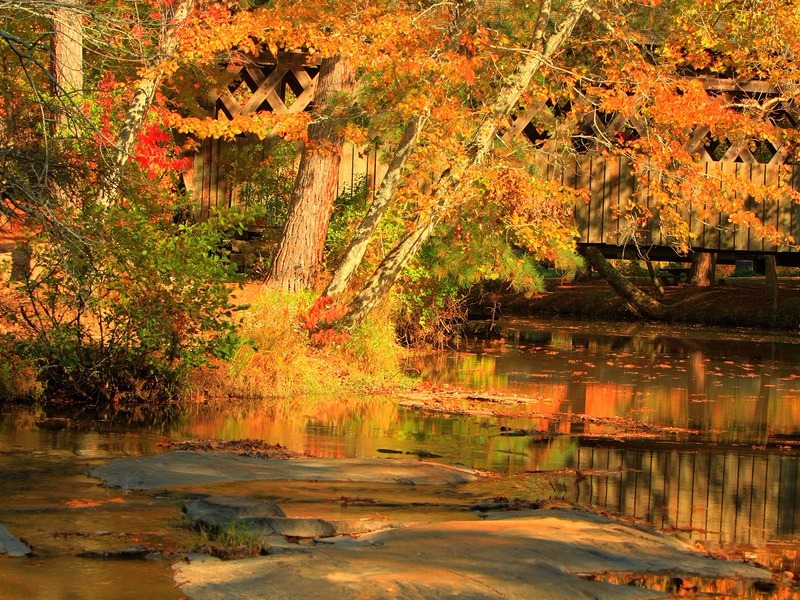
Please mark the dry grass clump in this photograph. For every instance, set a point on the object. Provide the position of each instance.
(278, 359)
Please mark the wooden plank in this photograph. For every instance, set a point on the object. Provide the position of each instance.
(794, 178)
(720, 84)
(650, 232)
(346, 169)
(695, 143)
(772, 203)
(697, 227)
(542, 163)
(758, 175)
(611, 232)
(556, 171)
(205, 197)
(296, 60)
(784, 206)
(625, 199)
(266, 91)
(214, 175)
(583, 167)
(305, 97)
(229, 103)
(256, 73)
(303, 78)
(742, 234)
(727, 234)
(711, 237)
(231, 73)
(596, 203)
(521, 122)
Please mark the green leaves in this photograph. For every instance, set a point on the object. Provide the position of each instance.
(128, 308)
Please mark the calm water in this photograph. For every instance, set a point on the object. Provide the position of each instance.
(723, 470)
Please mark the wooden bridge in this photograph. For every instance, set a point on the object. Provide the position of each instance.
(286, 84)
(611, 186)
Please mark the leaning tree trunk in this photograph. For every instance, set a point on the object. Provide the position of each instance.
(366, 228)
(640, 301)
(299, 256)
(477, 148)
(654, 278)
(702, 270)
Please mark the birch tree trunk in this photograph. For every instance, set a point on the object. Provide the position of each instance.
(299, 255)
(143, 94)
(383, 198)
(479, 146)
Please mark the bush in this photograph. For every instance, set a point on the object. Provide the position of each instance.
(121, 303)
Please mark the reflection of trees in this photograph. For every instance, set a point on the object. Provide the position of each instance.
(643, 375)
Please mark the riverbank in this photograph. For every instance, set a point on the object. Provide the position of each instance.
(733, 302)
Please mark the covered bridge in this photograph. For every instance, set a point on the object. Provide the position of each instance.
(286, 83)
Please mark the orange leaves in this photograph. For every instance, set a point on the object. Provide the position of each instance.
(291, 126)
(92, 503)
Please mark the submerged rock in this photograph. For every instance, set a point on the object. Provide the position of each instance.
(12, 546)
(183, 468)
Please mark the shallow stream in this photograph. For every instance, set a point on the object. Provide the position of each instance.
(721, 468)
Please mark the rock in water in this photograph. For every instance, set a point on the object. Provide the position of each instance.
(12, 546)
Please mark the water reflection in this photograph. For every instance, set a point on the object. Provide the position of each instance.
(728, 472)
(728, 390)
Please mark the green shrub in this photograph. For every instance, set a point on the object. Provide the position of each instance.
(121, 303)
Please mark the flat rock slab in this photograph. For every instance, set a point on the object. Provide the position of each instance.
(265, 518)
(538, 555)
(218, 511)
(10, 545)
(184, 468)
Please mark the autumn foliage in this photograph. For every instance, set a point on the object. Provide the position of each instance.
(669, 86)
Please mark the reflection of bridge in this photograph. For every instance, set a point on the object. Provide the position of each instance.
(286, 84)
(734, 496)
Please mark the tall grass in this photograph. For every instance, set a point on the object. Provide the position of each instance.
(277, 359)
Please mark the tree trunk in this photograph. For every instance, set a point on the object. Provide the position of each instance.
(366, 229)
(384, 277)
(640, 301)
(68, 49)
(772, 288)
(299, 255)
(143, 94)
(654, 277)
(477, 148)
(703, 269)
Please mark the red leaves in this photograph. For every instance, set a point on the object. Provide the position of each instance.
(319, 319)
(157, 153)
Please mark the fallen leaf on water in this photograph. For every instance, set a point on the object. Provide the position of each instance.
(83, 503)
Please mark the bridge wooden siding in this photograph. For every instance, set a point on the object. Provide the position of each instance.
(210, 183)
(286, 84)
(609, 181)
(612, 187)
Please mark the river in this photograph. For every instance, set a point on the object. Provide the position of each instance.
(709, 452)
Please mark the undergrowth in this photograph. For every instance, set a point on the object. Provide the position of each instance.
(279, 357)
